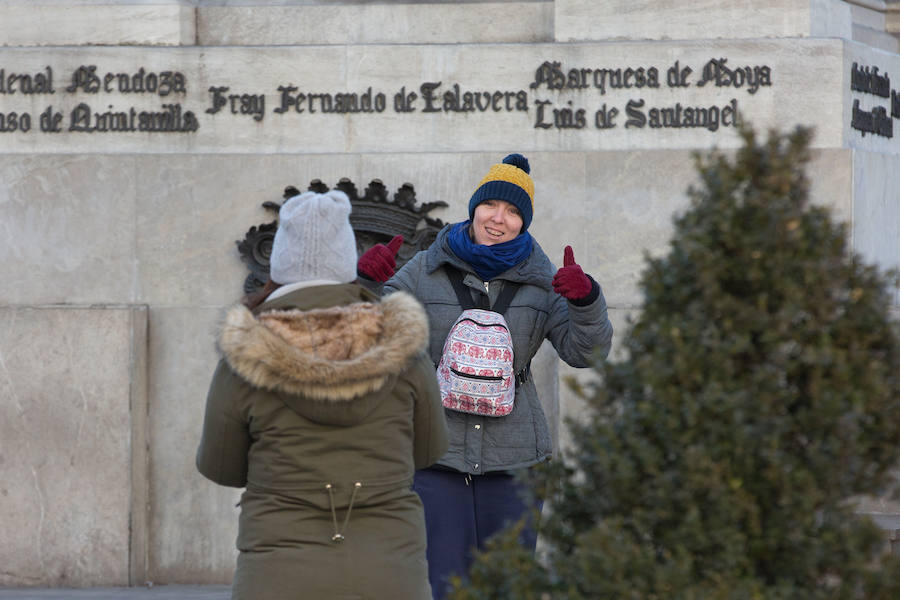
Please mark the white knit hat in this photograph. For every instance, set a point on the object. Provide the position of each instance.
(314, 240)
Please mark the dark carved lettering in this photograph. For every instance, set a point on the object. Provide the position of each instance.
(679, 116)
(605, 118)
(341, 103)
(677, 77)
(249, 104)
(563, 118)
(636, 117)
(720, 75)
(403, 102)
(218, 99)
(487, 101)
(287, 100)
(243, 104)
(549, 74)
(521, 101)
(26, 83)
(895, 104)
(869, 81)
(13, 121)
(575, 80)
(50, 120)
(569, 118)
(325, 102)
(496, 99)
(171, 119)
(539, 122)
(875, 121)
(428, 96)
(455, 99)
(86, 78)
(140, 82)
(615, 78)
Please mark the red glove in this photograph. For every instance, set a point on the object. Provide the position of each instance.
(570, 282)
(377, 263)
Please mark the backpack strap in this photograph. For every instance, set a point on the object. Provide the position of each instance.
(523, 375)
(506, 295)
(503, 301)
(463, 294)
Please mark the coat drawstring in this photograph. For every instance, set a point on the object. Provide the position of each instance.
(339, 533)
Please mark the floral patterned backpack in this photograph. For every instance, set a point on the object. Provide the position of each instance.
(476, 373)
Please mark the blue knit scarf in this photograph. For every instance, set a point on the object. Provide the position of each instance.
(488, 261)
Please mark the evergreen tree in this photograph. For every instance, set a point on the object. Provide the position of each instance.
(759, 395)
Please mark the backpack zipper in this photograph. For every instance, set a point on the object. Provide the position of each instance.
(473, 376)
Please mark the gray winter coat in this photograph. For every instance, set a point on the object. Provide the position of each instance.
(479, 444)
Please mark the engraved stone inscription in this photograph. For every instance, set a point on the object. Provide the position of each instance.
(97, 115)
(879, 120)
(93, 99)
(639, 112)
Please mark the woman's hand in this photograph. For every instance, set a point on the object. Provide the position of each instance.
(570, 282)
(377, 263)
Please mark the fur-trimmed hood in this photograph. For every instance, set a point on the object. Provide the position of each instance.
(315, 357)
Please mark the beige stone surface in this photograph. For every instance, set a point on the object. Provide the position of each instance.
(375, 23)
(96, 23)
(67, 229)
(578, 20)
(630, 200)
(612, 207)
(876, 38)
(876, 212)
(65, 433)
(193, 522)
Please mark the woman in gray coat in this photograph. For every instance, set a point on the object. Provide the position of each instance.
(472, 492)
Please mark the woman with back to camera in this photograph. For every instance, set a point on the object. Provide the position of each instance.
(472, 492)
(323, 405)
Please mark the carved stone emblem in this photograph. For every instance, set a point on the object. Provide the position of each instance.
(375, 218)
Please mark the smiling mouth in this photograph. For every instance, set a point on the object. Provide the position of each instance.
(493, 232)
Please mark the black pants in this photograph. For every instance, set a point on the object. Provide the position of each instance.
(461, 513)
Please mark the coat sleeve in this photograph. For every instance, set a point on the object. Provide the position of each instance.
(225, 440)
(430, 425)
(406, 279)
(578, 333)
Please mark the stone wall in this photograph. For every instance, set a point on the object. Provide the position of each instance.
(155, 133)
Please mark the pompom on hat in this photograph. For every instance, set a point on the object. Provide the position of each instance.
(314, 240)
(510, 181)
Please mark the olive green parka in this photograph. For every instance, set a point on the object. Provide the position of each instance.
(323, 405)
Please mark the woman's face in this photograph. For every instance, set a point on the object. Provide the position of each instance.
(495, 222)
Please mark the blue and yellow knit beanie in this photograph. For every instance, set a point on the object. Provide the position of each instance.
(509, 181)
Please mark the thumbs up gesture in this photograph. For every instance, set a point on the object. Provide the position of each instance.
(570, 282)
(377, 263)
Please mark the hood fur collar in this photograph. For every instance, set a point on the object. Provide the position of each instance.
(335, 353)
